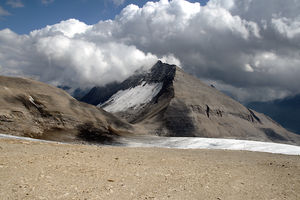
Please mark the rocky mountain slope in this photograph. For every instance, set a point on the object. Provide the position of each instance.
(34, 109)
(169, 102)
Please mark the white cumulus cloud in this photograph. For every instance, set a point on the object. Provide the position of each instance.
(56, 57)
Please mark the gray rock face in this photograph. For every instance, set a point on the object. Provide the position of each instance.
(185, 106)
(34, 109)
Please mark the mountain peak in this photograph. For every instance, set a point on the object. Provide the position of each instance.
(159, 62)
(167, 101)
(158, 73)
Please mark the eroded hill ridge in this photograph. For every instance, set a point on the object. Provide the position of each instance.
(34, 109)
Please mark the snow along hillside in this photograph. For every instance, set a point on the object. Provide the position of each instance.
(194, 143)
(208, 143)
(132, 98)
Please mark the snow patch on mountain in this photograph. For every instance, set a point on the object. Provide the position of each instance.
(31, 99)
(132, 98)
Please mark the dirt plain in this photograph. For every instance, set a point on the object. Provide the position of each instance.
(38, 170)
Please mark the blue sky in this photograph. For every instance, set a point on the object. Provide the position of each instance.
(23, 16)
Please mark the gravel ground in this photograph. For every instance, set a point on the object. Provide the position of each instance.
(37, 170)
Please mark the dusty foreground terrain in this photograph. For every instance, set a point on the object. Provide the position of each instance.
(36, 170)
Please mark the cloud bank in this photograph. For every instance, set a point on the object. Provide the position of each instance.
(249, 48)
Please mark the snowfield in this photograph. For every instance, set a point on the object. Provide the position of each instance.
(132, 98)
(209, 143)
(27, 138)
(194, 143)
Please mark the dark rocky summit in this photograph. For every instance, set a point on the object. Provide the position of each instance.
(181, 105)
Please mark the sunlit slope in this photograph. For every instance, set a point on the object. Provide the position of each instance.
(35, 109)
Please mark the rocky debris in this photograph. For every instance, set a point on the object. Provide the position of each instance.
(88, 132)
